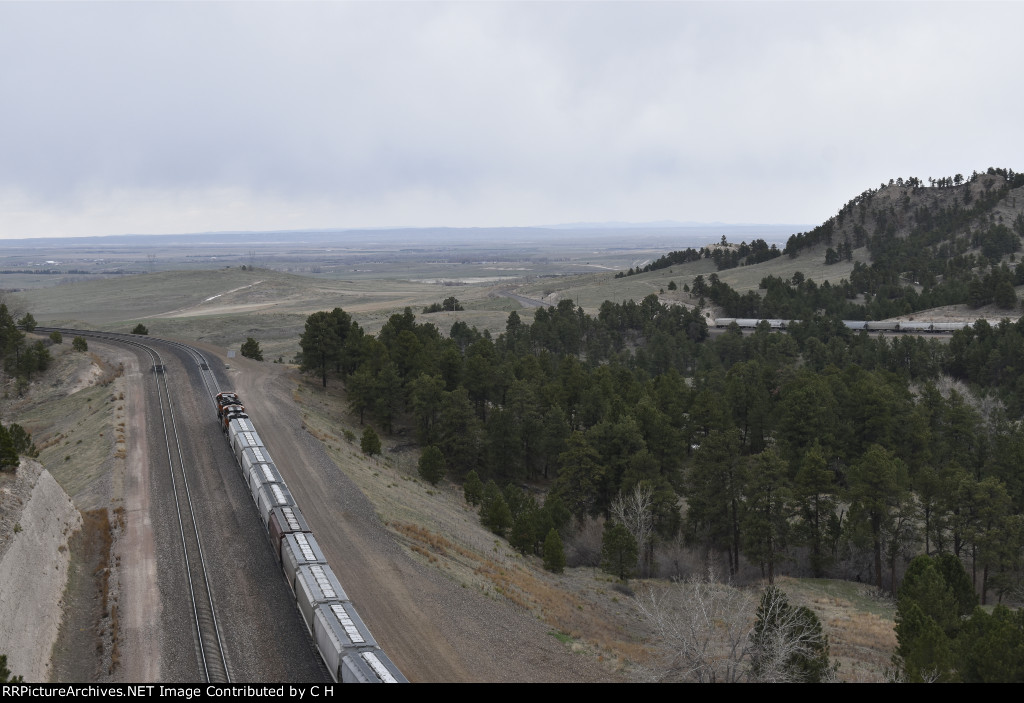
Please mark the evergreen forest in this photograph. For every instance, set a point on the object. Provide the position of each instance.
(817, 451)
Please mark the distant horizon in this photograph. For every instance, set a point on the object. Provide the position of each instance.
(653, 228)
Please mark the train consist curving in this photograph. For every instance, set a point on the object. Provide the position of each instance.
(344, 642)
(856, 325)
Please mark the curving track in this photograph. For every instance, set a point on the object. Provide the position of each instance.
(209, 645)
(434, 631)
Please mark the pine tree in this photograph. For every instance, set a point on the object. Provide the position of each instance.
(814, 495)
(580, 474)
(618, 551)
(5, 673)
(923, 652)
(523, 535)
(554, 554)
(958, 582)
(924, 585)
(320, 343)
(473, 488)
(766, 520)
(715, 484)
(991, 647)
(250, 349)
(431, 466)
(494, 512)
(878, 483)
(9, 459)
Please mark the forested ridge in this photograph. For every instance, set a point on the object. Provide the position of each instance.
(812, 452)
(954, 241)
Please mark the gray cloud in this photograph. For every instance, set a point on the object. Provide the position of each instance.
(155, 117)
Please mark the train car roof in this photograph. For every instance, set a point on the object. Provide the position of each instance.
(266, 473)
(242, 424)
(278, 494)
(372, 666)
(257, 455)
(321, 583)
(347, 627)
(290, 518)
(304, 545)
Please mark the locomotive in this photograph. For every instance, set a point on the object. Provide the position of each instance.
(342, 639)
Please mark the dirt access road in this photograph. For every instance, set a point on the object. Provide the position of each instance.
(434, 629)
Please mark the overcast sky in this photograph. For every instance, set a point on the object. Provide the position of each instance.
(186, 117)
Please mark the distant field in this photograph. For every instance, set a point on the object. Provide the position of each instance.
(222, 304)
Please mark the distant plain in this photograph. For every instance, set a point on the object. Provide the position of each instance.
(221, 288)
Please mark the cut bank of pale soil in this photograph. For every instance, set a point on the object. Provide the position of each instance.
(87, 418)
(36, 521)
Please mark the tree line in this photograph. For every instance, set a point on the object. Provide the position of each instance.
(815, 452)
(724, 256)
(20, 357)
(865, 296)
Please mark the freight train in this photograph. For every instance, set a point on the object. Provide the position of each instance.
(856, 325)
(344, 642)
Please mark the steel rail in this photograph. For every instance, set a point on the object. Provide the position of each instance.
(208, 637)
(209, 379)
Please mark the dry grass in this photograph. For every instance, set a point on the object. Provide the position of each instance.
(71, 413)
(98, 536)
(859, 623)
(439, 527)
(578, 616)
(589, 610)
(583, 604)
(96, 524)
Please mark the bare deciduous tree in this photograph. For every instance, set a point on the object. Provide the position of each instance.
(633, 510)
(788, 644)
(710, 632)
(702, 629)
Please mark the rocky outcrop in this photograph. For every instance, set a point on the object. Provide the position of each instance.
(39, 518)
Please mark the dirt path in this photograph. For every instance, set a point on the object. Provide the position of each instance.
(373, 572)
(141, 596)
(433, 628)
(199, 310)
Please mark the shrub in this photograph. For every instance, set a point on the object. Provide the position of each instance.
(251, 349)
(370, 442)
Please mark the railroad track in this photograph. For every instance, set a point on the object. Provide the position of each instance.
(212, 389)
(209, 646)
